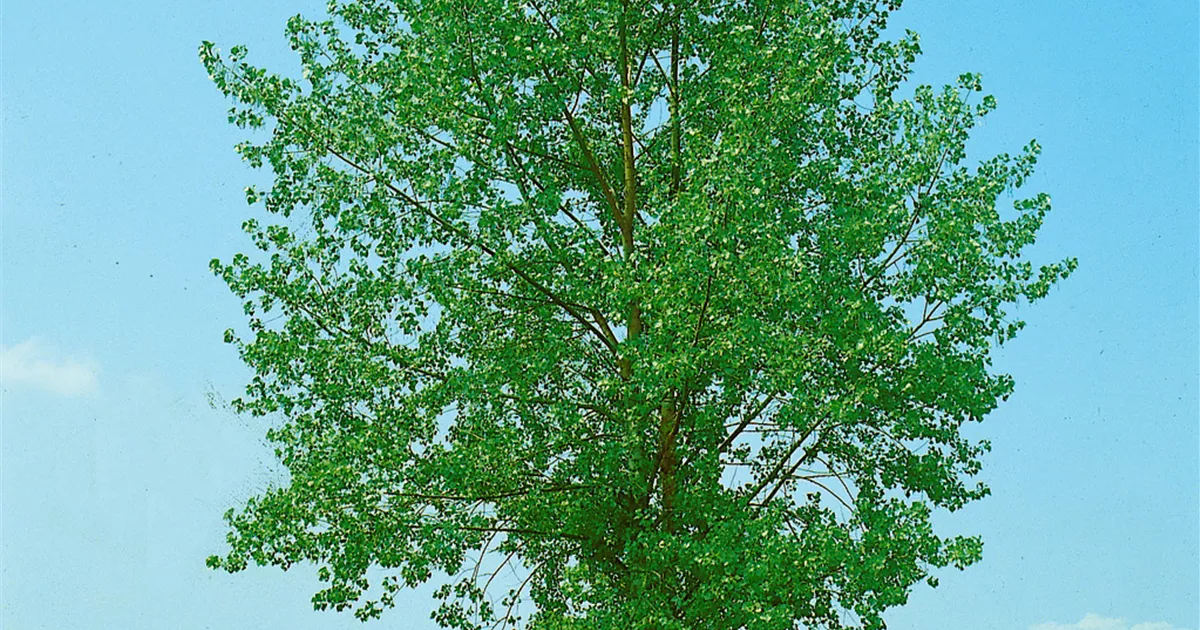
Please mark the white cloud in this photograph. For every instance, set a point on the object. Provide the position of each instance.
(31, 364)
(1092, 621)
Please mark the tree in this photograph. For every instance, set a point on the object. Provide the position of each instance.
(676, 309)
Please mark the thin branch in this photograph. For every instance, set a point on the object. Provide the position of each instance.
(778, 468)
(745, 423)
(517, 594)
(487, 497)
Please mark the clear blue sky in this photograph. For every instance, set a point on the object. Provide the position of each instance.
(119, 183)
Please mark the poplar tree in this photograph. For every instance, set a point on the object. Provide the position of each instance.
(609, 314)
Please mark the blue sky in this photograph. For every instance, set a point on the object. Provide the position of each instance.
(119, 183)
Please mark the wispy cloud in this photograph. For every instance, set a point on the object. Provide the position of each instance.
(31, 364)
(1092, 621)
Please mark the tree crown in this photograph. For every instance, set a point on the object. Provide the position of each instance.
(675, 307)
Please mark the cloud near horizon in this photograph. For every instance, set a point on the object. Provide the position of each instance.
(30, 363)
(1092, 621)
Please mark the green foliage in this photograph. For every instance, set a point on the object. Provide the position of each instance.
(674, 307)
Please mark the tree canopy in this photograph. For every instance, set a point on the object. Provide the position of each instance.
(674, 310)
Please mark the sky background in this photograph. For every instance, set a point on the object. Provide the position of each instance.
(119, 184)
